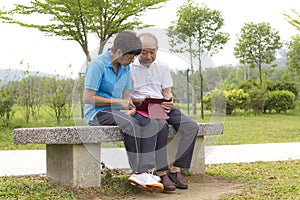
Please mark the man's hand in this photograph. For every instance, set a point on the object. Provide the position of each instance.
(129, 112)
(127, 107)
(168, 105)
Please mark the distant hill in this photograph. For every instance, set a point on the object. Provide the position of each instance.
(7, 75)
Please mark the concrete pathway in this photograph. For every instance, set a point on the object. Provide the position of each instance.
(30, 162)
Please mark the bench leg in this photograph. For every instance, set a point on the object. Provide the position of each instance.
(77, 165)
(198, 160)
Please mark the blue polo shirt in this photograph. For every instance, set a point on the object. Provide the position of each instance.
(101, 77)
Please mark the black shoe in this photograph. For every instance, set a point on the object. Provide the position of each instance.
(168, 184)
(176, 179)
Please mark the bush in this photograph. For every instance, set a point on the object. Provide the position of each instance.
(284, 85)
(280, 100)
(215, 101)
(257, 100)
(6, 103)
(219, 101)
(236, 99)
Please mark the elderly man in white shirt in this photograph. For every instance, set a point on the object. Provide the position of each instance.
(151, 78)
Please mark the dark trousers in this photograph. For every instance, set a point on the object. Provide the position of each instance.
(140, 137)
(187, 131)
(161, 161)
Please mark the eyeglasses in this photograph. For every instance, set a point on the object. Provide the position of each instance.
(130, 58)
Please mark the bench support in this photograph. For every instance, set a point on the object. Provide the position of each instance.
(198, 160)
(77, 165)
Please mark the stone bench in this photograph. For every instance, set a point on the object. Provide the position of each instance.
(73, 154)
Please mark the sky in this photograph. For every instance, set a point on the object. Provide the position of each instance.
(23, 47)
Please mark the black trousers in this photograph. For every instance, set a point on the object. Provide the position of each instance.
(140, 136)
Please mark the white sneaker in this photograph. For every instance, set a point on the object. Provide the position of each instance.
(146, 182)
(156, 178)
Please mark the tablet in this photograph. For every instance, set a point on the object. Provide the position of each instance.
(145, 103)
(151, 108)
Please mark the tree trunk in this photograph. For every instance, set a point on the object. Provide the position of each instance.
(260, 76)
(194, 102)
(201, 82)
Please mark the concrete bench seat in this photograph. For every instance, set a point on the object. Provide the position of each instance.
(73, 153)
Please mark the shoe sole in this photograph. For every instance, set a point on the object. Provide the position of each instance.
(153, 188)
(182, 187)
(169, 189)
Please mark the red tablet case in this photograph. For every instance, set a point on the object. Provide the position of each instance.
(152, 108)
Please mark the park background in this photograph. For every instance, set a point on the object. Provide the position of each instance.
(36, 54)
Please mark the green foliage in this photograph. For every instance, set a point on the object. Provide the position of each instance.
(75, 19)
(293, 20)
(280, 101)
(257, 45)
(197, 30)
(283, 85)
(216, 101)
(6, 103)
(293, 56)
(236, 99)
(257, 100)
(59, 97)
(30, 94)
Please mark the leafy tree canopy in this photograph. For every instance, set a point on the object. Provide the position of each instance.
(257, 44)
(293, 56)
(293, 19)
(75, 19)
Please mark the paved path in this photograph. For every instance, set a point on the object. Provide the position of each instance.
(28, 162)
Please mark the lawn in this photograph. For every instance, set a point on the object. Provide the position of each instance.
(238, 129)
(259, 180)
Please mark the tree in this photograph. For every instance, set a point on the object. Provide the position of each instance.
(59, 96)
(30, 94)
(76, 19)
(293, 19)
(6, 103)
(199, 27)
(293, 56)
(257, 45)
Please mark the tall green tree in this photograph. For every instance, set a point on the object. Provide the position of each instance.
(257, 45)
(199, 29)
(76, 19)
(293, 56)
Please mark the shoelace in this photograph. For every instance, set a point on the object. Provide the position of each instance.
(151, 171)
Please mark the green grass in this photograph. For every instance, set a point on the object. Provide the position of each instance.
(114, 186)
(259, 180)
(239, 129)
(262, 180)
(266, 128)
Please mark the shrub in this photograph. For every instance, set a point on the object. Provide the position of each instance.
(215, 101)
(284, 85)
(6, 103)
(257, 100)
(280, 100)
(220, 102)
(236, 99)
